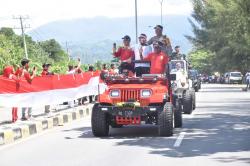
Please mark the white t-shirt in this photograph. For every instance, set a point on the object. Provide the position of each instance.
(71, 71)
(248, 77)
(145, 51)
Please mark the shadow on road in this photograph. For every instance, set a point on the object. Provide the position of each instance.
(212, 130)
(206, 134)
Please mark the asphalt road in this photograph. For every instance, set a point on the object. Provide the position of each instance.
(217, 133)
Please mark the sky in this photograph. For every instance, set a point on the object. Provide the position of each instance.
(41, 12)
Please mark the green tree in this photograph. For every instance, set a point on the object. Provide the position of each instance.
(54, 50)
(223, 28)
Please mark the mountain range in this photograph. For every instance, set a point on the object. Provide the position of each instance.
(92, 38)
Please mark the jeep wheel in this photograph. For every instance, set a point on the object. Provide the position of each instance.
(178, 115)
(165, 120)
(194, 100)
(187, 102)
(196, 89)
(99, 122)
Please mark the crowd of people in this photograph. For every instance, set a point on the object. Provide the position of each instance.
(158, 56)
(23, 72)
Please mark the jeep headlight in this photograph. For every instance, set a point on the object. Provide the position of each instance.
(114, 93)
(145, 93)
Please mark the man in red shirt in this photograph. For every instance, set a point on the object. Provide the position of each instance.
(23, 72)
(46, 70)
(125, 54)
(158, 59)
(8, 72)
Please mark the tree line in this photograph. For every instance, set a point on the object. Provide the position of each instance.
(221, 35)
(49, 51)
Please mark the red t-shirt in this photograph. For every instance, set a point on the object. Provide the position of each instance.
(158, 62)
(23, 73)
(44, 73)
(124, 53)
(7, 71)
(112, 71)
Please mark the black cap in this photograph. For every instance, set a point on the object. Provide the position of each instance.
(158, 26)
(24, 61)
(142, 35)
(126, 37)
(46, 65)
(177, 46)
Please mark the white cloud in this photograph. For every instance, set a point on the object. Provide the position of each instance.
(44, 11)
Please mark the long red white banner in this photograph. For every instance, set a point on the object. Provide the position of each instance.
(48, 90)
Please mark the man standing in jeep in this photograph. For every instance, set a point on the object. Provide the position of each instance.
(166, 47)
(158, 59)
(177, 55)
(141, 51)
(125, 54)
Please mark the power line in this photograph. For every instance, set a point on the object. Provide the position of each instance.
(23, 27)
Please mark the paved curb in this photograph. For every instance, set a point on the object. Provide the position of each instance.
(15, 132)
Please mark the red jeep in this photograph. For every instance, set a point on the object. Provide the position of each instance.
(135, 101)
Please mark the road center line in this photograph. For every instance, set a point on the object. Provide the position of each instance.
(179, 139)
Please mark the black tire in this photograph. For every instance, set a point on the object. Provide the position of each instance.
(199, 86)
(187, 102)
(178, 115)
(99, 122)
(194, 100)
(196, 89)
(165, 120)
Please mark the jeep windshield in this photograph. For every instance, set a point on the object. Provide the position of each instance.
(176, 65)
(235, 74)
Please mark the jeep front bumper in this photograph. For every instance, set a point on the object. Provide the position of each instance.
(130, 111)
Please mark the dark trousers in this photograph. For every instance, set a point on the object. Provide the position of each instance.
(142, 70)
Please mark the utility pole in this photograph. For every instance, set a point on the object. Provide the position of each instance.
(23, 27)
(161, 2)
(136, 25)
(67, 49)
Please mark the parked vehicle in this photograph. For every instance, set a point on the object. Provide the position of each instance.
(233, 77)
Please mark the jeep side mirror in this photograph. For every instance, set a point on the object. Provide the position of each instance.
(172, 77)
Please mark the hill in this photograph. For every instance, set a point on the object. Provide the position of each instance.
(92, 38)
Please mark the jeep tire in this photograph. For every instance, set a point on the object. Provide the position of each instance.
(196, 88)
(187, 102)
(194, 100)
(178, 115)
(99, 122)
(165, 120)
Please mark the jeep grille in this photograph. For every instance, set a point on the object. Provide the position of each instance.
(130, 94)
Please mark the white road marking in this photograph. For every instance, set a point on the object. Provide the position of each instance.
(179, 139)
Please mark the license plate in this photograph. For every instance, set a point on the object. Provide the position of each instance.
(126, 113)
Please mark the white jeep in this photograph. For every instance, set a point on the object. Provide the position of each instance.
(183, 93)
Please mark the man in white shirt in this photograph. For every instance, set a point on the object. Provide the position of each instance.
(248, 80)
(73, 70)
(141, 51)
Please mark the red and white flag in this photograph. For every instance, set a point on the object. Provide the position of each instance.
(48, 90)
